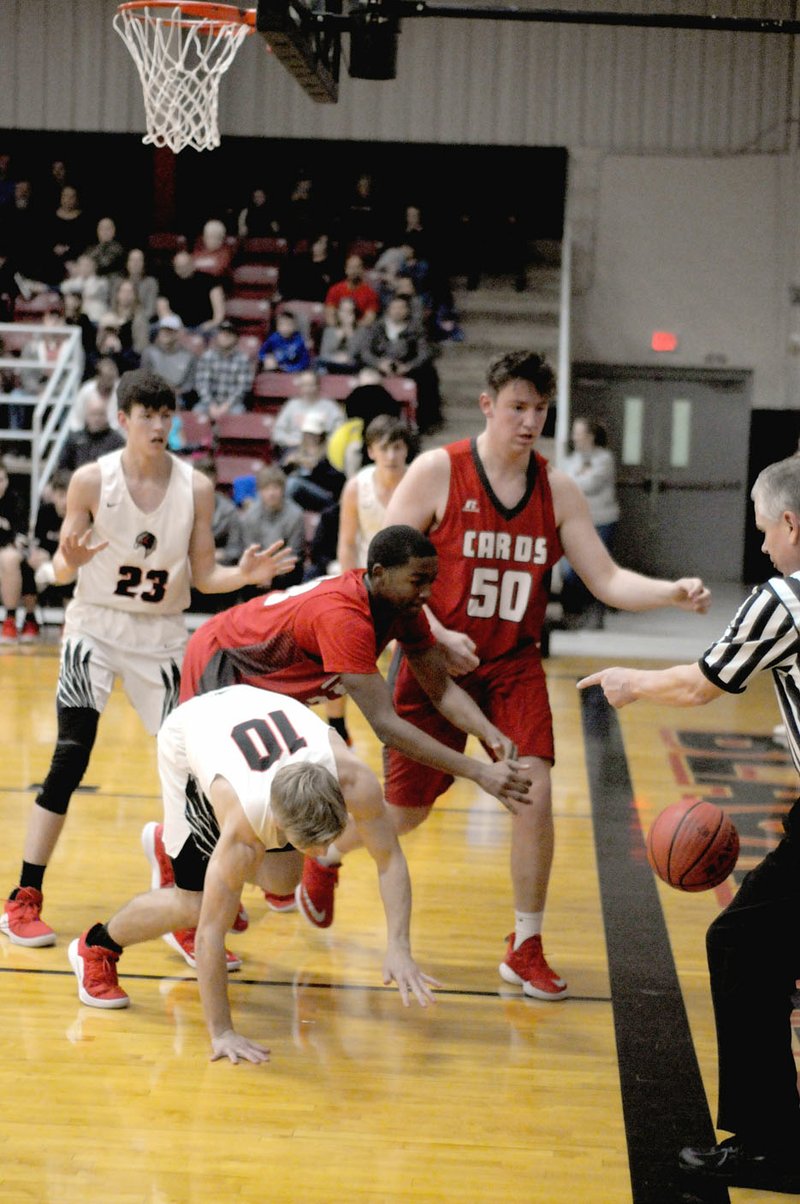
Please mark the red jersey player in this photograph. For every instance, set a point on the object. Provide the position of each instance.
(500, 517)
(322, 640)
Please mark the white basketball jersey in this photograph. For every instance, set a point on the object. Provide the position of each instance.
(245, 735)
(145, 568)
(371, 512)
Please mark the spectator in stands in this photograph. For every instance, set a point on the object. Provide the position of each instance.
(13, 536)
(396, 347)
(38, 577)
(285, 349)
(22, 231)
(257, 219)
(272, 517)
(101, 390)
(226, 525)
(114, 341)
(195, 297)
(346, 446)
(132, 324)
(168, 357)
(52, 187)
(308, 275)
(362, 218)
(300, 217)
(213, 255)
(413, 231)
(145, 285)
(224, 377)
(9, 285)
(108, 252)
(14, 412)
(312, 482)
(287, 430)
(95, 438)
(70, 233)
(405, 287)
(44, 348)
(6, 182)
(74, 316)
(83, 281)
(388, 267)
(340, 344)
(354, 285)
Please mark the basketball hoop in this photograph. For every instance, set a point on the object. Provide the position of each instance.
(181, 50)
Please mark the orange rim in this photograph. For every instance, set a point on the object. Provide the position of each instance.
(197, 12)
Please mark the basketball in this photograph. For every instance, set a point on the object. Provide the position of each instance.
(692, 845)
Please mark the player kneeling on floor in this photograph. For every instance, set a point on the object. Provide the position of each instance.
(251, 781)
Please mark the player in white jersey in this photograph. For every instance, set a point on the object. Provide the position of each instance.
(251, 780)
(137, 529)
(753, 947)
(362, 511)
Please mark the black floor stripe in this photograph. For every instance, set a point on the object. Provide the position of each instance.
(663, 1100)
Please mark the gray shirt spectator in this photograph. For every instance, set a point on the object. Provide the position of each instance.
(274, 517)
(168, 358)
(287, 431)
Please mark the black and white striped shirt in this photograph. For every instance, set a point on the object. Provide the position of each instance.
(764, 634)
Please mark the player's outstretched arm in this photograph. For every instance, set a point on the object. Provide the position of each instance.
(365, 804)
(506, 780)
(255, 567)
(235, 860)
(679, 686)
(614, 585)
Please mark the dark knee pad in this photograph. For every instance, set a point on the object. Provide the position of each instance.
(77, 729)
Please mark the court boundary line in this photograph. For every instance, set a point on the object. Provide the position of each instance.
(663, 1099)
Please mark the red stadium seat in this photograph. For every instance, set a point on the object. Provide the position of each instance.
(265, 250)
(196, 429)
(255, 280)
(231, 467)
(274, 384)
(338, 388)
(32, 309)
(250, 315)
(245, 434)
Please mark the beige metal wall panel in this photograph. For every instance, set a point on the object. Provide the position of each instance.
(624, 90)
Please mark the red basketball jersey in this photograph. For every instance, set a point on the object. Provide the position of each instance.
(494, 563)
(298, 641)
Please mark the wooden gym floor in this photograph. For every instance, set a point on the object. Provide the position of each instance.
(486, 1097)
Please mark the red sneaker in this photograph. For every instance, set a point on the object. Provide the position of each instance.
(21, 919)
(96, 971)
(242, 921)
(182, 941)
(8, 632)
(526, 967)
(280, 902)
(160, 864)
(314, 894)
(30, 630)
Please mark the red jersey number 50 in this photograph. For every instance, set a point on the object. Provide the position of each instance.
(504, 595)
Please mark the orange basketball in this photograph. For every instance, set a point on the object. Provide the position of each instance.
(692, 845)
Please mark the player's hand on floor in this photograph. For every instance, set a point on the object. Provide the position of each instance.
(615, 684)
(261, 566)
(237, 1048)
(692, 594)
(400, 967)
(509, 781)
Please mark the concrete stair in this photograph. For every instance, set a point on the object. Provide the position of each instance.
(495, 318)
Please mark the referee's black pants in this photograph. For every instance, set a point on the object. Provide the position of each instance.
(754, 962)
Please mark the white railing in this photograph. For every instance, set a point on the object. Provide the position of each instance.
(564, 347)
(40, 445)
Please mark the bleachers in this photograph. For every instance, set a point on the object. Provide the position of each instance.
(254, 280)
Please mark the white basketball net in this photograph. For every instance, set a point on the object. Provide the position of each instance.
(180, 63)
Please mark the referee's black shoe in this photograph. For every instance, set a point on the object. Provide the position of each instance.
(741, 1165)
